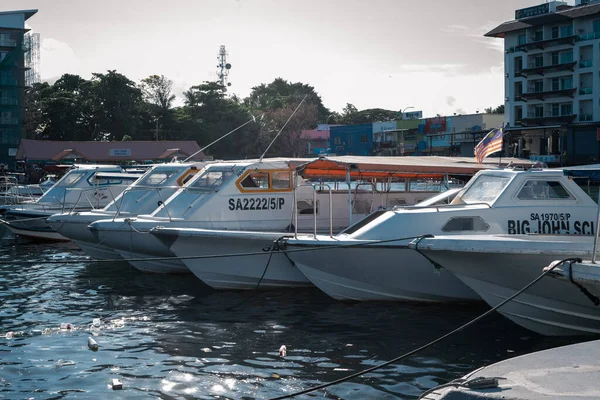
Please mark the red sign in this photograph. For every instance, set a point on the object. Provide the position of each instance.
(435, 125)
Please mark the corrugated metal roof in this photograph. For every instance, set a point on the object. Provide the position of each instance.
(572, 13)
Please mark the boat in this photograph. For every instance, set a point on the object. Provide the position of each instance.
(497, 266)
(11, 192)
(142, 197)
(84, 187)
(567, 372)
(255, 196)
(500, 201)
(275, 269)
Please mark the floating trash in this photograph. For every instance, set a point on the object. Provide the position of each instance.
(66, 326)
(117, 384)
(92, 344)
(282, 351)
(36, 332)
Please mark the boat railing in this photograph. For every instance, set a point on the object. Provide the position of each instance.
(83, 195)
(438, 206)
(316, 187)
(148, 190)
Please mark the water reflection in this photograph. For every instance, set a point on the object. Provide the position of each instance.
(173, 337)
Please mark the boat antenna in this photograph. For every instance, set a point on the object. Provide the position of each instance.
(278, 133)
(253, 119)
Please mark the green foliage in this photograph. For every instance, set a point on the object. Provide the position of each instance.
(351, 115)
(497, 110)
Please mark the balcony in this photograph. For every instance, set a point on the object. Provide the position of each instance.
(549, 93)
(9, 121)
(8, 43)
(588, 36)
(542, 44)
(548, 68)
(546, 118)
(586, 64)
(587, 90)
(586, 117)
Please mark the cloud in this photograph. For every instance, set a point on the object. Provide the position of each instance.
(57, 58)
(451, 101)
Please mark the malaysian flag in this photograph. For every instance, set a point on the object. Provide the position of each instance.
(491, 143)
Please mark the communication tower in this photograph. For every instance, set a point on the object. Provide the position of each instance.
(223, 67)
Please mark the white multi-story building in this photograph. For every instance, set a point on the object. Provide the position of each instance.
(552, 81)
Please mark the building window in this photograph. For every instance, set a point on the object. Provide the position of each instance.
(364, 139)
(597, 26)
(337, 140)
(566, 30)
(566, 83)
(350, 140)
(518, 64)
(522, 39)
(555, 84)
(555, 32)
(518, 113)
(555, 110)
(539, 111)
(538, 86)
(538, 60)
(538, 35)
(566, 57)
(518, 88)
(566, 109)
(555, 58)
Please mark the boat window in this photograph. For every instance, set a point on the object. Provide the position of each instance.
(212, 178)
(71, 178)
(543, 190)
(456, 224)
(281, 180)
(256, 181)
(486, 188)
(158, 177)
(306, 207)
(101, 180)
(590, 187)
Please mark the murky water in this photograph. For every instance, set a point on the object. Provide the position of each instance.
(171, 337)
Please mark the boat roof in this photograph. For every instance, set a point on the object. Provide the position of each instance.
(400, 167)
(118, 175)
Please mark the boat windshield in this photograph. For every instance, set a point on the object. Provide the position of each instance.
(71, 178)
(212, 178)
(485, 189)
(159, 176)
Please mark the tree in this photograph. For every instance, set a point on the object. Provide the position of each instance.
(117, 103)
(497, 110)
(290, 141)
(157, 94)
(351, 115)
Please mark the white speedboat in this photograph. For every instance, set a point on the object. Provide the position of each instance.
(355, 265)
(497, 266)
(84, 187)
(255, 196)
(142, 197)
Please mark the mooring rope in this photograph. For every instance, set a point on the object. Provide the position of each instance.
(433, 342)
(231, 255)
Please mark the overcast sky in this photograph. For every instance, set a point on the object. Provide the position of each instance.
(429, 54)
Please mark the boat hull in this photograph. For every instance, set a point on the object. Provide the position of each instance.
(236, 273)
(378, 273)
(154, 266)
(551, 307)
(32, 224)
(97, 251)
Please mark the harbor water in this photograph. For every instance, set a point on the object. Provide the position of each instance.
(172, 337)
